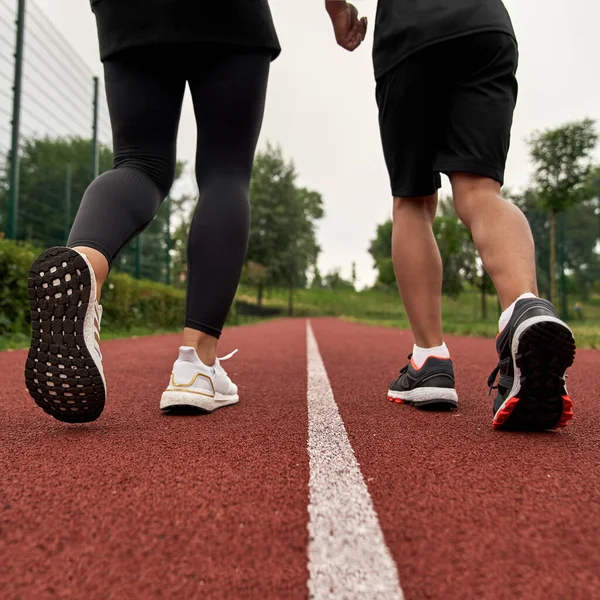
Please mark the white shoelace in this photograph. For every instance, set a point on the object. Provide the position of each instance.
(219, 360)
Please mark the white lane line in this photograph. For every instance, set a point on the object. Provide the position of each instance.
(347, 555)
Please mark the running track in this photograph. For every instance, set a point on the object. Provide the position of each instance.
(398, 503)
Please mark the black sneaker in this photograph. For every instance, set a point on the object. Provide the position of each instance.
(431, 386)
(535, 349)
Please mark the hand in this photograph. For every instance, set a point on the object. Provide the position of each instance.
(349, 30)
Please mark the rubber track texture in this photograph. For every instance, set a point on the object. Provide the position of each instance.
(469, 512)
(60, 373)
(140, 505)
(545, 352)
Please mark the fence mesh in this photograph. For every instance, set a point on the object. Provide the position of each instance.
(56, 144)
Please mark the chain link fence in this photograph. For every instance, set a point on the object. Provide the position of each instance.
(55, 137)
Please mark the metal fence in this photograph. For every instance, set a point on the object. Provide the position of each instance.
(55, 138)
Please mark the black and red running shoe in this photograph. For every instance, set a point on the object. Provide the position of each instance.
(430, 387)
(535, 349)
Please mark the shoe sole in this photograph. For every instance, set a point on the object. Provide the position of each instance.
(176, 400)
(60, 372)
(431, 398)
(543, 349)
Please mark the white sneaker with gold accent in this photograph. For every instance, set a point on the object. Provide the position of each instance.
(193, 384)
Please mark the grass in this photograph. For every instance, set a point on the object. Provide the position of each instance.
(17, 341)
(462, 315)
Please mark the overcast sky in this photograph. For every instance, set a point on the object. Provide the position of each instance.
(321, 107)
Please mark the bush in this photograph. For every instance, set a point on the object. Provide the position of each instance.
(127, 303)
(15, 260)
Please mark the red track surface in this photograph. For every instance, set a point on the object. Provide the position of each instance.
(140, 505)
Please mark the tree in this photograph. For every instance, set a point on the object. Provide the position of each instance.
(581, 239)
(334, 281)
(454, 242)
(317, 280)
(53, 175)
(563, 169)
(457, 250)
(381, 251)
(283, 221)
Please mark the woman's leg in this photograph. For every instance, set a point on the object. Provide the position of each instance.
(229, 99)
(144, 93)
(63, 371)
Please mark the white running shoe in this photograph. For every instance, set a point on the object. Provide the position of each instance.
(193, 384)
(63, 372)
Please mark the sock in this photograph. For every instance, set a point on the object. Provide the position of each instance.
(507, 314)
(420, 355)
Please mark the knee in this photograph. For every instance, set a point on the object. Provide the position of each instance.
(159, 169)
(424, 205)
(469, 192)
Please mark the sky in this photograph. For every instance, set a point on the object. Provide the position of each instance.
(321, 105)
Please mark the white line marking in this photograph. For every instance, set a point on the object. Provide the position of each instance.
(347, 555)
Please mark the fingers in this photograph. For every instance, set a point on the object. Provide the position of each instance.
(350, 31)
(356, 35)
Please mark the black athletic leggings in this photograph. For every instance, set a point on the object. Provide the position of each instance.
(145, 90)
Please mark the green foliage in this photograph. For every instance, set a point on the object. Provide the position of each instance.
(563, 163)
(381, 251)
(334, 281)
(317, 280)
(386, 276)
(456, 248)
(283, 220)
(582, 225)
(15, 261)
(43, 218)
(45, 213)
(129, 304)
(455, 244)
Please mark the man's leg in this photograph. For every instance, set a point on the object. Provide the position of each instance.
(412, 105)
(501, 234)
(428, 381)
(534, 346)
(418, 267)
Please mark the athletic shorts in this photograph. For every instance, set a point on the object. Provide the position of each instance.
(448, 108)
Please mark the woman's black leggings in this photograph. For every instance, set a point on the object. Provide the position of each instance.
(145, 90)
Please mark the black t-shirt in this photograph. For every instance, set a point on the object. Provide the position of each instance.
(124, 24)
(405, 26)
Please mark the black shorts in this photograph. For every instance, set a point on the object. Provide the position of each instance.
(448, 108)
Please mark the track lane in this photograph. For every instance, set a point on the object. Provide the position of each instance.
(143, 505)
(468, 512)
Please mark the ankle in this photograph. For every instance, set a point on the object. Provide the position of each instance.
(204, 344)
(99, 265)
(420, 355)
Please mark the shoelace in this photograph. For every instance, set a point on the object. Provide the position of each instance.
(219, 360)
(504, 381)
(404, 369)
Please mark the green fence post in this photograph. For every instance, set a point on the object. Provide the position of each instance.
(13, 182)
(67, 202)
(95, 161)
(168, 243)
(564, 309)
